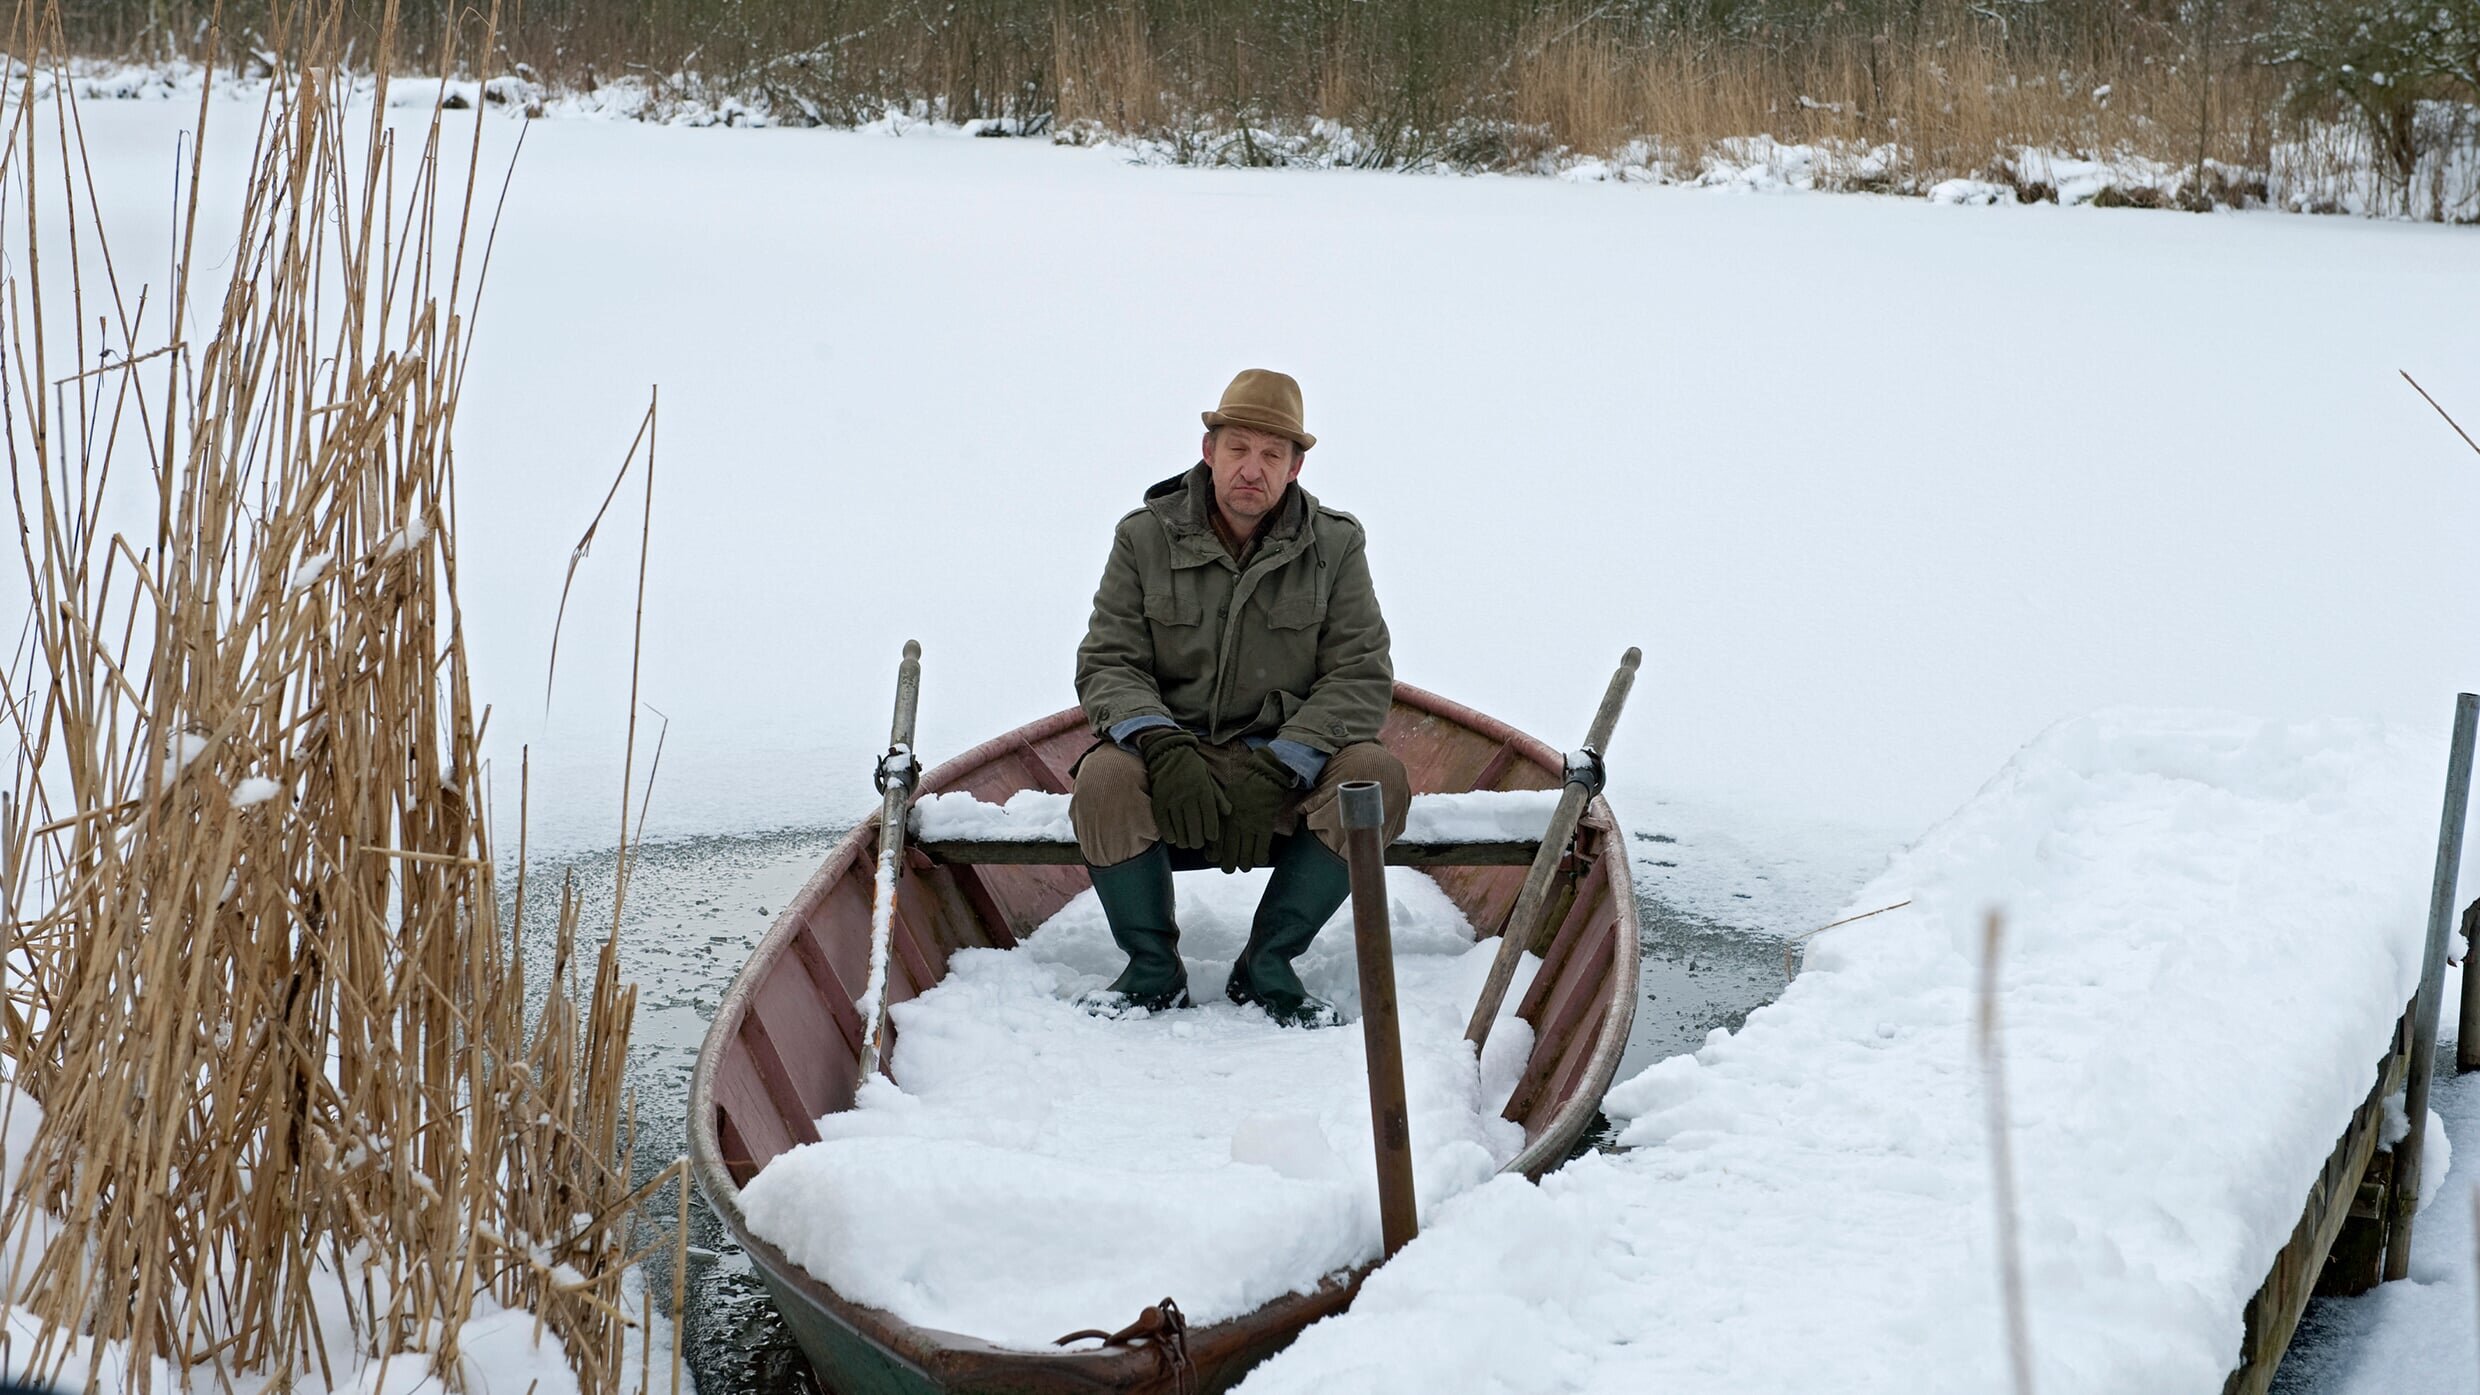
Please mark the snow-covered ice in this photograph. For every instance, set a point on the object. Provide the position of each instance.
(2210, 923)
(1881, 487)
(1042, 1171)
(1878, 498)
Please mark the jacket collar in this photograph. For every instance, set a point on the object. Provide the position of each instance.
(1185, 505)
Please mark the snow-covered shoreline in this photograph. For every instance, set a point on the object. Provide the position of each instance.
(2300, 176)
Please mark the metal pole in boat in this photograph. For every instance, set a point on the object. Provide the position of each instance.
(1364, 812)
(1584, 780)
(2467, 1031)
(2403, 1201)
(897, 773)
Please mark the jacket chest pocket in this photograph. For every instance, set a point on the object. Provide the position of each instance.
(1294, 598)
(1295, 613)
(1173, 607)
(1180, 618)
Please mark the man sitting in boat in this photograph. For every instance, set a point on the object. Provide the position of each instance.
(1236, 670)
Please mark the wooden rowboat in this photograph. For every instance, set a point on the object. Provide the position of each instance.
(786, 1040)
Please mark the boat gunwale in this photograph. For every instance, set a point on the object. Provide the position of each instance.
(926, 1349)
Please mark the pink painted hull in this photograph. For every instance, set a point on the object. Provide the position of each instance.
(784, 1046)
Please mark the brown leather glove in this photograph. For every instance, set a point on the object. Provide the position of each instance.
(1257, 794)
(1188, 804)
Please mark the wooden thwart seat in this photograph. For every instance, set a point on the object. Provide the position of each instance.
(1047, 852)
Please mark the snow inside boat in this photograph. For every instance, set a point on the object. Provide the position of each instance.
(784, 1048)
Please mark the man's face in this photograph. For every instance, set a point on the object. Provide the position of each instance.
(1251, 470)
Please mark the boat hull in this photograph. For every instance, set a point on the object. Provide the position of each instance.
(784, 1046)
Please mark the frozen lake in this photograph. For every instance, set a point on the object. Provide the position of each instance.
(1883, 488)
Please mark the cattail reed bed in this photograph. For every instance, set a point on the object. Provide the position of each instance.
(278, 1107)
(2361, 105)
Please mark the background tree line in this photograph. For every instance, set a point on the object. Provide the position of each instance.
(1942, 86)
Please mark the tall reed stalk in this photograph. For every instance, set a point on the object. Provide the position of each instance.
(293, 1112)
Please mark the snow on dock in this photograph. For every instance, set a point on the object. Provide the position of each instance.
(1042, 1171)
(2211, 925)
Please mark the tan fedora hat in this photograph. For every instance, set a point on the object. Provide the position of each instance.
(1263, 399)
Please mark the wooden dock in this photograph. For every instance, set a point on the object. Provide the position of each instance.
(2338, 1247)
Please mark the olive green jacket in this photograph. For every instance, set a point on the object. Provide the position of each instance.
(1291, 648)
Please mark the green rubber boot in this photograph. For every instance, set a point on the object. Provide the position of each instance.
(1309, 883)
(1136, 899)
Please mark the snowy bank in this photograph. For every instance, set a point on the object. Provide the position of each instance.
(2211, 925)
(1041, 1171)
(2322, 167)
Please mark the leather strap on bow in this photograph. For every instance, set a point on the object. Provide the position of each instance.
(1161, 1327)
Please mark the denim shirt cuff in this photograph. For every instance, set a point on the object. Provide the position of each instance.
(1128, 727)
(1306, 762)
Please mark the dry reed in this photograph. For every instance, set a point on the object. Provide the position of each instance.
(1954, 96)
(1795, 949)
(291, 1097)
(2475, 446)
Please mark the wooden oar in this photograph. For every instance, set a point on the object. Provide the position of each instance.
(1584, 780)
(1373, 942)
(897, 773)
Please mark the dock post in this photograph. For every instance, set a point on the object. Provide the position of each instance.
(1364, 811)
(2402, 1202)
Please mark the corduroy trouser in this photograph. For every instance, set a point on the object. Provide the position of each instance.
(1114, 812)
